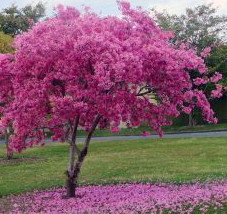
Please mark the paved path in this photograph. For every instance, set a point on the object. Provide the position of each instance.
(175, 135)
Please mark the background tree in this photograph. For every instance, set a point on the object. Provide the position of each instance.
(91, 71)
(14, 21)
(199, 27)
(5, 47)
(217, 61)
(6, 97)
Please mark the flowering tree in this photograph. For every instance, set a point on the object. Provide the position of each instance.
(5, 86)
(210, 83)
(6, 98)
(90, 71)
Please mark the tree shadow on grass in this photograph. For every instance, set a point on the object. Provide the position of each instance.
(17, 160)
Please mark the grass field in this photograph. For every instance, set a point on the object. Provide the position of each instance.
(156, 160)
(167, 129)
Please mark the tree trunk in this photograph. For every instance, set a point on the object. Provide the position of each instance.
(194, 122)
(9, 152)
(75, 166)
(71, 187)
(72, 180)
(191, 120)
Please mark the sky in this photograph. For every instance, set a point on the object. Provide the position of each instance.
(109, 7)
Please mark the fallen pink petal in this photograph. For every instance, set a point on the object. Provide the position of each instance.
(126, 198)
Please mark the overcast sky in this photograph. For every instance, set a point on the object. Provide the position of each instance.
(109, 7)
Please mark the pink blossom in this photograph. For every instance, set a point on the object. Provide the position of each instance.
(217, 76)
(205, 52)
(146, 133)
(217, 93)
(82, 64)
(200, 81)
(187, 110)
(115, 129)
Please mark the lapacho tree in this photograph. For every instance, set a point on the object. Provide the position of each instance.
(5, 78)
(83, 70)
(6, 99)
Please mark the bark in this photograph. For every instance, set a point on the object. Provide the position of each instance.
(9, 152)
(76, 163)
(73, 150)
(191, 120)
(71, 188)
(72, 180)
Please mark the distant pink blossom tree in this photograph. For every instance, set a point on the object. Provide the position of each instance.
(6, 98)
(80, 69)
(209, 83)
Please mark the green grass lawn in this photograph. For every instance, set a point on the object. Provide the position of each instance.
(153, 160)
(168, 129)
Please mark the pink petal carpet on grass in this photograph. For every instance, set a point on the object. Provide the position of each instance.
(126, 198)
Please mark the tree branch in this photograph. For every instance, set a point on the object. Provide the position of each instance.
(73, 148)
(83, 153)
(74, 134)
(87, 141)
(144, 93)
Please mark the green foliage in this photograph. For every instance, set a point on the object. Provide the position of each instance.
(5, 43)
(217, 61)
(34, 13)
(14, 21)
(201, 26)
